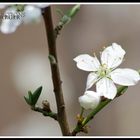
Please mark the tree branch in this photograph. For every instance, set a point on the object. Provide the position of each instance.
(62, 118)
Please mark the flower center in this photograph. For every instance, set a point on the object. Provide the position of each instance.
(103, 71)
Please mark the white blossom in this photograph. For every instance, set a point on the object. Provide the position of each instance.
(89, 100)
(32, 13)
(105, 74)
(9, 24)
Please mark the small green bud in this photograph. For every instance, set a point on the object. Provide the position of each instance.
(65, 20)
(52, 59)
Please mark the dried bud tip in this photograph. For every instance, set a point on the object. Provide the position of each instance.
(79, 118)
(85, 129)
(46, 106)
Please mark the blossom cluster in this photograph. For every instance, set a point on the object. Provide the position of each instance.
(31, 12)
(104, 75)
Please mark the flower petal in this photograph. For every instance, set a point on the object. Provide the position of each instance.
(105, 87)
(32, 14)
(89, 100)
(91, 79)
(87, 63)
(9, 25)
(112, 56)
(125, 77)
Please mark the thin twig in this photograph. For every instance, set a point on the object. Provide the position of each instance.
(66, 18)
(62, 118)
(45, 113)
(79, 128)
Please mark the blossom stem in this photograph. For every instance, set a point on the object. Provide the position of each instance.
(120, 90)
(78, 128)
(82, 111)
(61, 113)
(45, 113)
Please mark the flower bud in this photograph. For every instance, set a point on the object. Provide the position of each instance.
(89, 100)
(46, 106)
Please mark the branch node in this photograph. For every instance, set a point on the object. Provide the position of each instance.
(62, 106)
(52, 59)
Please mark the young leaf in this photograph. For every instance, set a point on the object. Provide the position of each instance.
(66, 18)
(30, 96)
(36, 95)
(33, 97)
(72, 12)
(27, 100)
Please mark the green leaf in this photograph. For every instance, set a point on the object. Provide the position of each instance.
(66, 18)
(73, 11)
(33, 97)
(36, 95)
(30, 96)
(27, 100)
